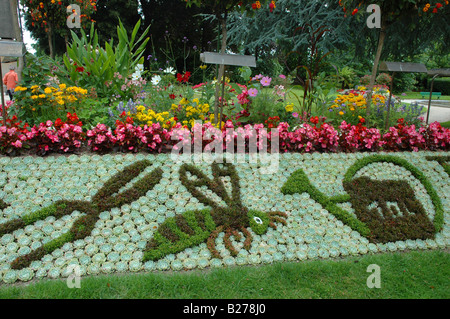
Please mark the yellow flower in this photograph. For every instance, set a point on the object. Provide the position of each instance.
(290, 108)
(62, 86)
(48, 90)
(184, 101)
(42, 96)
(341, 113)
(20, 88)
(203, 67)
(205, 108)
(34, 97)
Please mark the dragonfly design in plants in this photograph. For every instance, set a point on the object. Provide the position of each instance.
(111, 195)
(385, 210)
(192, 228)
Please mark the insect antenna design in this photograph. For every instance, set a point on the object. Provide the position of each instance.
(195, 227)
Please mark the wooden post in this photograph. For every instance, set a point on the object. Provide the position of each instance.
(224, 60)
(389, 103)
(223, 98)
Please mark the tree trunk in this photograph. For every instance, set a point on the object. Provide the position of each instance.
(50, 40)
(223, 23)
(375, 64)
(66, 40)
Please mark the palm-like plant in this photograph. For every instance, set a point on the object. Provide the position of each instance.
(88, 64)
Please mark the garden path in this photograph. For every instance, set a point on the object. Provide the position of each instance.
(440, 110)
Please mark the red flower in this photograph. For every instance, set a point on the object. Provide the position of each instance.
(172, 96)
(435, 10)
(314, 120)
(354, 12)
(183, 77)
(58, 123)
(80, 69)
(272, 6)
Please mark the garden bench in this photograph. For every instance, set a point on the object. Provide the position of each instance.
(424, 94)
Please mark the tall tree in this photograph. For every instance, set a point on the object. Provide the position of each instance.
(108, 14)
(221, 10)
(178, 33)
(267, 35)
(404, 14)
(50, 17)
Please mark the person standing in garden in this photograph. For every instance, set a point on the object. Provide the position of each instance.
(10, 80)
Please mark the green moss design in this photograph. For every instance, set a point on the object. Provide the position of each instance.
(163, 243)
(105, 199)
(192, 228)
(299, 183)
(390, 209)
(439, 210)
(259, 222)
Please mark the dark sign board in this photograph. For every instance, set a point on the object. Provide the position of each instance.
(12, 48)
(403, 67)
(439, 72)
(228, 59)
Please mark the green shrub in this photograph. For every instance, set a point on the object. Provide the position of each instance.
(384, 79)
(441, 85)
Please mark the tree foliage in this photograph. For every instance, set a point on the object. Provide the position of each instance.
(49, 17)
(110, 12)
(396, 16)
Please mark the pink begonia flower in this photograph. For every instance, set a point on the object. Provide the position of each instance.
(282, 76)
(17, 144)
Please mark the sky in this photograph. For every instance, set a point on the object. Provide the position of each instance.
(27, 39)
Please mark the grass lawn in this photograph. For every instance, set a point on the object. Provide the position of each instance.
(418, 96)
(446, 124)
(404, 275)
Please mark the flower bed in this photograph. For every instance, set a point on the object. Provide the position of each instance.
(315, 136)
(143, 212)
